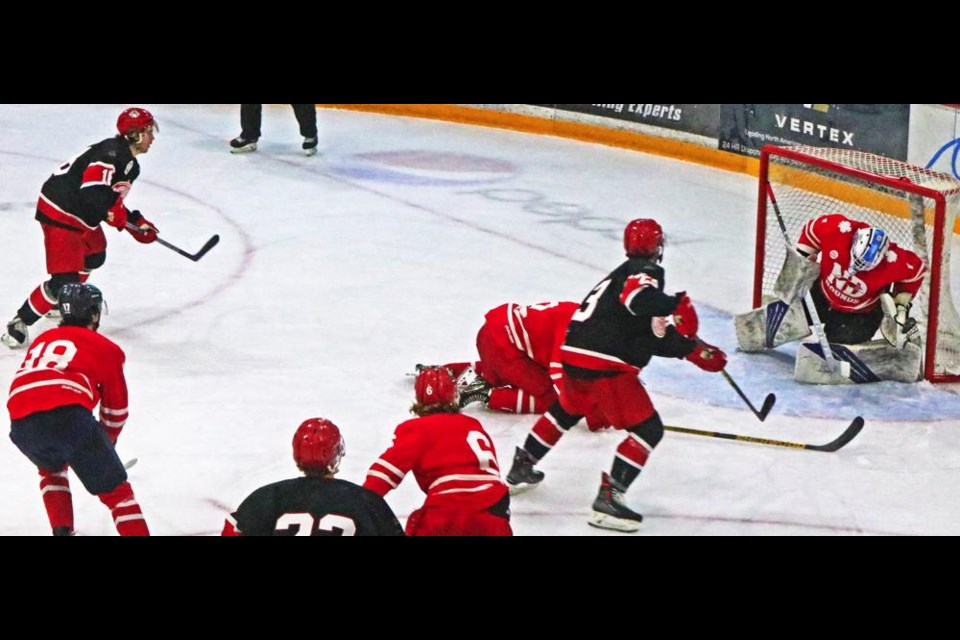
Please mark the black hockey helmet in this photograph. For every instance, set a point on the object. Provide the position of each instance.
(79, 302)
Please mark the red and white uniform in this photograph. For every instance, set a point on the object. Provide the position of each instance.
(519, 354)
(832, 236)
(72, 365)
(454, 462)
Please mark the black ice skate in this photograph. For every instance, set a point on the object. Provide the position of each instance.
(243, 145)
(522, 475)
(476, 391)
(609, 512)
(16, 335)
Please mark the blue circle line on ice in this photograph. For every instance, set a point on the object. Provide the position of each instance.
(772, 372)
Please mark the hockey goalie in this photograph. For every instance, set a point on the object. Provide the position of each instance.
(846, 280)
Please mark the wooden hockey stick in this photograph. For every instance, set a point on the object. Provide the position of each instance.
(835, 365)
(767, 402)
(210, 244)
(848, 434)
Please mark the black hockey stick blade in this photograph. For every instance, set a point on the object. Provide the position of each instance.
(210, 244)
(767, 405)
(849, 434)
(767, 402)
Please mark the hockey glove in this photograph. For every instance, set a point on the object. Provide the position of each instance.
(708, 357)
(897, 309)
(147, 232)
(685, 316)
(117, 215)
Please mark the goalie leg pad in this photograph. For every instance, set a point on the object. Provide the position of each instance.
(769, 326)
(796, 277)
(873, 361)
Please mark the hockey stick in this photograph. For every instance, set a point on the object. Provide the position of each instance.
(210, 244)
(848, 434)
(767, 402)
(835, 365)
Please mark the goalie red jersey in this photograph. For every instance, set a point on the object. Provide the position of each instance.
(72, 365)
(452, 459)
(832, 236)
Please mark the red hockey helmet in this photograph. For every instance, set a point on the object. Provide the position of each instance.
(135, 120)
(643, 238)
(318, 446)
(435, 385)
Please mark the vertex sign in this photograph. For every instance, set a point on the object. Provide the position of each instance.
(819, 132)
(876, 128)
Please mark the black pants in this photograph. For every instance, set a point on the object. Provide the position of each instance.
(251, 116)
(842, 327)
(70, 435)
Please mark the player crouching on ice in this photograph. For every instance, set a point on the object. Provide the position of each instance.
(862, 282)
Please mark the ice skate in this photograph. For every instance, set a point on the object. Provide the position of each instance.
(17, 333)
(609, 511)
(522, 475)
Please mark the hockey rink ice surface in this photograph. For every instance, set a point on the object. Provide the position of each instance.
(336, 274)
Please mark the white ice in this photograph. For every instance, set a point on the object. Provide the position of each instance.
(336, 274)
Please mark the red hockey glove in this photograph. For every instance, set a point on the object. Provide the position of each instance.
(708, 357)
(685, 317)
(147, 230)
(117, 215)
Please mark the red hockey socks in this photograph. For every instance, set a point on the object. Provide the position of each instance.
(57, 499)
(125, 510)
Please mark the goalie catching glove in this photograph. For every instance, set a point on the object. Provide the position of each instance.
(707, 357)
(146, 232)
(897, 309)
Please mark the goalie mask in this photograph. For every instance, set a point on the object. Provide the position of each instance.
(643, 238)
(870, 245)
(318, 447)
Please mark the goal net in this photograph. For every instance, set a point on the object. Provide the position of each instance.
(917, 207)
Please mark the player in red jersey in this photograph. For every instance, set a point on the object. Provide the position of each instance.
(454, 462)
(858, 264)
(66, 373)
(519, 358)
(84, 191)
(519, 367)
(318, 504)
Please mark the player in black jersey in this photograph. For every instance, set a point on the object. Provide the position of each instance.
(317, 504)
(622, 323)
(83, 192)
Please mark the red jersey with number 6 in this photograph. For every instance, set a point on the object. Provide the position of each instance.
(451, 456)
(72, 365)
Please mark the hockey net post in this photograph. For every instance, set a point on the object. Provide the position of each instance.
(917, 207)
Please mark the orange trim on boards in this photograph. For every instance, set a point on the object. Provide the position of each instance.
(566, 129)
